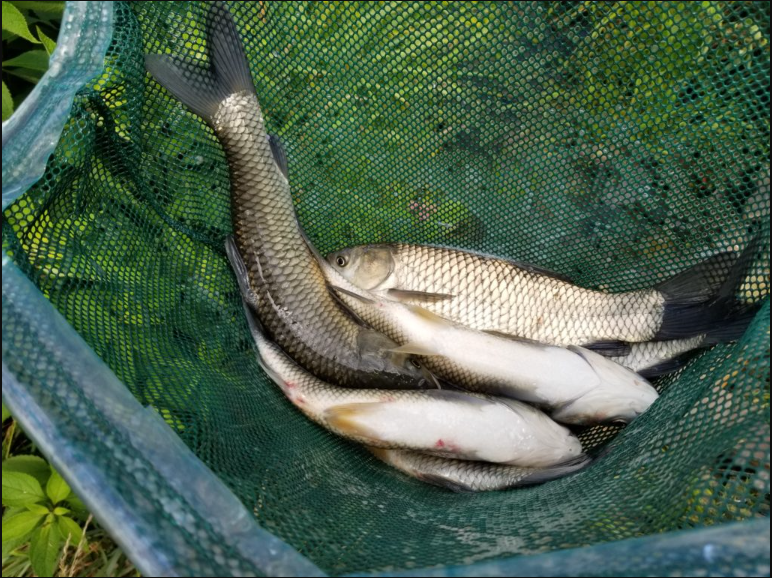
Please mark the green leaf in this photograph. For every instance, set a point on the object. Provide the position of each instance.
(6, 413)
(20, 489)
(7, 112)
(35, 466)
(31, 60)
(69, 527)
(18, 526)
(78, 507)
(32, 76)
(59, 511)
(38, 509)
(51, 9)
(44, 549)
(13, 21)
(48, 44)
(56, 488)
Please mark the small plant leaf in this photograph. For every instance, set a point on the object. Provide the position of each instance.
(35, 466)
(56, 488)
(42, 9)
(13, 21)
(78, 508)
(20, 489)
(38, 509)
(18, 526)
(32, 76)
(6, 413)
(44, 549)
(31, 60)
(48, 44)
(69, 528)
(7, 112)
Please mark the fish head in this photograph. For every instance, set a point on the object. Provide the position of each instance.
(366, 266)
(392, 369)
(608, 406)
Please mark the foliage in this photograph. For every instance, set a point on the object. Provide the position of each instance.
(28, 29)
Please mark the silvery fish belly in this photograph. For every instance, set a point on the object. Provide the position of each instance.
(471, 476)
(278, 275)
(447, 423)
(489, 293)
(574, 384)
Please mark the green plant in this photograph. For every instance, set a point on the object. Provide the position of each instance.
(28, 29)
(39, 508)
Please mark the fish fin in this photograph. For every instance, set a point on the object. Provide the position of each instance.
(517, 338)
(734, 328)
(346, 309)
(404, 295)
(203, 89)
(688, 311)
(445, 482)
(557, 471)
(610, 348)
(669, 365)
(361, 298)
(240, 269)
(700, 282)
(531, 268)
(428, 315)
(414, 349)
(459, 396)
(279, 154)
(346, 420)
(380, 453)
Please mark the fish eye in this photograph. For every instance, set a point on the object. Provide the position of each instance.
(341, 261)
(415, 363)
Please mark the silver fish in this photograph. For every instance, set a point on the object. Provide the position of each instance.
(489, 293)
(576, 385)
(446, 423)
(280, 278)
(469, 476)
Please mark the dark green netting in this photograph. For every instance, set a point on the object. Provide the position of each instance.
(614, 142)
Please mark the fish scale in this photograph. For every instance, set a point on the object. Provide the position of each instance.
(532, 305)
(281, 279)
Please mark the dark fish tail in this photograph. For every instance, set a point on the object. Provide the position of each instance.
(199, 88)
(696, 302)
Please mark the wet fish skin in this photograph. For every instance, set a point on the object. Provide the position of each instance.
(469, 476)
(447, 423)
(285, 285)
(490, 293)
(578, 385)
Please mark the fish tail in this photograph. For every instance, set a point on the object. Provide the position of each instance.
(734, 328)
(696, 302)
(201, 88)
(558, 470)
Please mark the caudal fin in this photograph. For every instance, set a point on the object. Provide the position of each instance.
(695, 303)
(199, 88)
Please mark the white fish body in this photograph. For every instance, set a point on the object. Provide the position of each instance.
(579, 385)
(445, 423)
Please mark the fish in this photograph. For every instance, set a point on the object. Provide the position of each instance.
(471, 476)
(444, 422)
(573, 384)
(278, 275)
(493, 294)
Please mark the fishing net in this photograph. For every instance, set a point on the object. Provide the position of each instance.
(616, 143)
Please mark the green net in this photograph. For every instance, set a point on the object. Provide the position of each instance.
(617, 143)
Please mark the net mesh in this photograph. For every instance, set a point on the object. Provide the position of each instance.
(617, 143)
